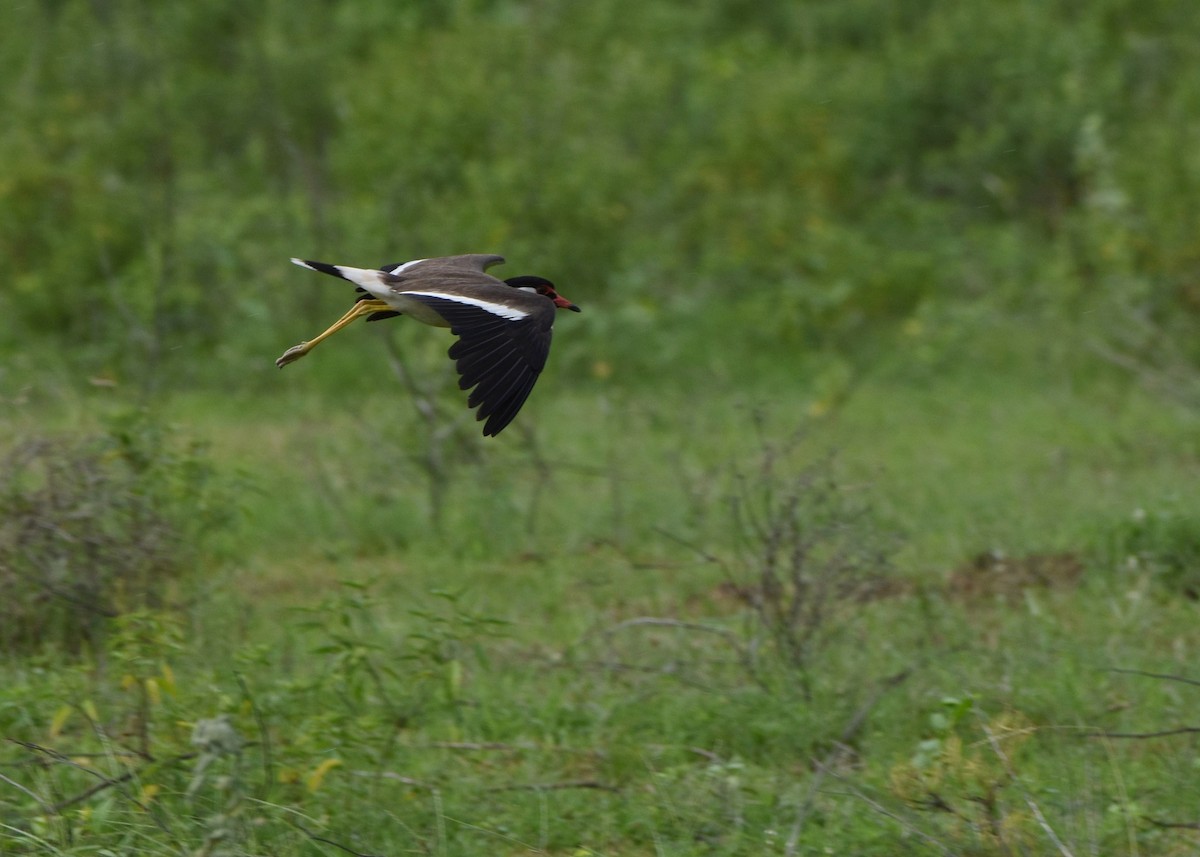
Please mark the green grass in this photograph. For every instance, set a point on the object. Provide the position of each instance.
(521, 712)
(879, 248)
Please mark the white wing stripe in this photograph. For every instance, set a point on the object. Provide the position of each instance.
(502, 310)
(405, 266)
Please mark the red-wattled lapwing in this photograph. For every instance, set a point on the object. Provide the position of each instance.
(503, 326)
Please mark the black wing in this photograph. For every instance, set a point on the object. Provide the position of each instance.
(498, 356)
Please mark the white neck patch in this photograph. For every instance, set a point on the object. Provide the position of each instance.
(502, 310)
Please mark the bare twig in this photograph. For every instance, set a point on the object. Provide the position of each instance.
(661, 622)
(695, 548)
(841, 748)
(743, 656)
(545, 787)
(1173, 825)
(105, 782)
(47, 809)
(1147, 674)
(95, 789)
(1165, 733)
(315, 838)
(479, 745)
(264, 735)
(441, 428)
(672, 670)
(392, 775)
(698, 751)
(903, 822)
(1025, 794)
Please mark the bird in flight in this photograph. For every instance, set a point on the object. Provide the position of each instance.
(503, 326)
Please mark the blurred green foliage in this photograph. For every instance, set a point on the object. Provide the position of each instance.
(751, 200)
(96, 527)
(816, 173)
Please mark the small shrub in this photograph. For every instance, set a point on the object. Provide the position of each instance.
(94, 527)
(964, 774)
(806, 548)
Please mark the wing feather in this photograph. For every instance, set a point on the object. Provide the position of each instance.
(498, 358)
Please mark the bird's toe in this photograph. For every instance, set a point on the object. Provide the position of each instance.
(292, 354)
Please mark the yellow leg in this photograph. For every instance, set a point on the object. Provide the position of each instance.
(359, 309)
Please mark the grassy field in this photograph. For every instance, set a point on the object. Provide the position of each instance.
(571, 663)
(855, 514)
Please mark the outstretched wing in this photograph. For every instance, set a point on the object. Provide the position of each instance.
(501, 349)
(466, 262)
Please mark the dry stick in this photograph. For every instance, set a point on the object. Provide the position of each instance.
(105, 782)
(484, 745)
(325, 841)
(1159, 378)
(1173, 825)
(1165, 733)
(267, 759)
(706, 556)
(672, 623)
(673, 669)
(699, 751)
(1025, 795)
(1146, 674)
(852, 728)
(512, 748)
(903, 822)
(47, 809)
(744, 656)
(660, 622)
(392, 775)
(566, 784)
(440, 428)
(544, 474)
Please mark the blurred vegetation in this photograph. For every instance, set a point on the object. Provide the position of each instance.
(824, 172)
(92, 528)
(855, 513)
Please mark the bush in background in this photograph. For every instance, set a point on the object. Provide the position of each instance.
(823, 172)
(94, 527)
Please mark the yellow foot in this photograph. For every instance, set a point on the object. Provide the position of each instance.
(292, 354)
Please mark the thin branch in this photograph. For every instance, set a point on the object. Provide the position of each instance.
(744, 655)
(479, 745)
(903, 822)
(1146, 674)
(660, 622)
(259, 721)
(105, 782)
(47, 809)
(1028, 798)
(1165, 733)
(698, 751)
(1172, 825)
(325, 841)
(841, 747)
(392, 775)
(545, 787)
(706, 556)
(673, 670)
(95, 789)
